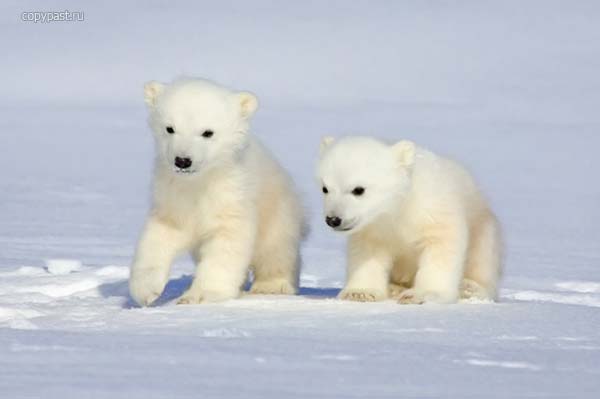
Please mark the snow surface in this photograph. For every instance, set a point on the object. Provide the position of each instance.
(510, 88)
(62, 266)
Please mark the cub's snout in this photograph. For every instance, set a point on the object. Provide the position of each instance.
(183, 163)
(333, 221)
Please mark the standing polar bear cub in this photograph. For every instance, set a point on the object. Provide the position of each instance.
(419, 229)
(217, 194)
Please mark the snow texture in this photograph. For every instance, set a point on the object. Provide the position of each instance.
(510, 88)
(62, 266)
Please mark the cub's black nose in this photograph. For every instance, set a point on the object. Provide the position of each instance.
(333, 221)
(183, 163)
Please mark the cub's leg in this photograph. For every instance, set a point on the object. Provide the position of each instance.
(484, 260)
(369, 268)
(276, 271)
(276, 262)
(159, 244)
(402, 276)
(441, 265)
(395, 290)
(222, 264)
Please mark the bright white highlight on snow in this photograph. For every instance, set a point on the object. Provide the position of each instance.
(509, 365)
(62, 266)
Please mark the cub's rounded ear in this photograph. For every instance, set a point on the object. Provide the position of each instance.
(325, 142)
(248, 104)
(405, 152)
(152, 90)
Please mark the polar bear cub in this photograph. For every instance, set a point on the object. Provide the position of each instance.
(219, 195)
(419, 229)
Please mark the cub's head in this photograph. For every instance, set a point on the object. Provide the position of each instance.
(361, 179)
(196, 123)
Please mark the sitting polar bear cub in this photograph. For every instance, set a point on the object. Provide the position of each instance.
(419, 228)
(217, 194)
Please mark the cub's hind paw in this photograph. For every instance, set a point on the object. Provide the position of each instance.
(395, 290)
(411, 297)
(418, 297)
(273, 287)
(362, 295)
(189, 299)
(471, 290)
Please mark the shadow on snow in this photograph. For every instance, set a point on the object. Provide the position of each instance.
(176, 287)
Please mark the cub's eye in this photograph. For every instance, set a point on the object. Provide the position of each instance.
(358, 191)
(170, 130)
(208, 133)
(325, 191)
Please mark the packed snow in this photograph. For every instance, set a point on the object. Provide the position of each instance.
(509, 88)
(62, 266)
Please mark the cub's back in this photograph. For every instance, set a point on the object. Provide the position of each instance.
(275, 192)
(445, 184)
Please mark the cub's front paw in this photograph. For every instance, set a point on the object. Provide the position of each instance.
(470, 289)
(411, 297)
(395, 290)
(145, 286)
(417, 297)
(192, 297)
(362, 295)
(273, 287)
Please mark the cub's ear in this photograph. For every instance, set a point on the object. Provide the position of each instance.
(405, 152)
(325, 142)
(151, 91)
(248, 104)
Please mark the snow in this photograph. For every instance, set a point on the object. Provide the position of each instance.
(509, 88)
(62, 266)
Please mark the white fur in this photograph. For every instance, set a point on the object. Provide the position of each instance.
(232, 208)
(421, 232)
